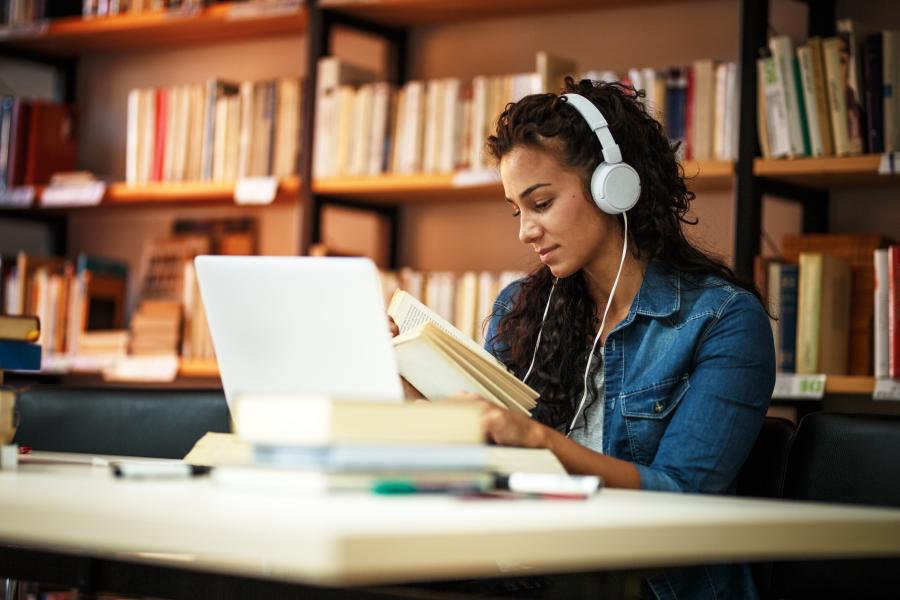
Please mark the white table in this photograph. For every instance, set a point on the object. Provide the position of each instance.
(340, 540)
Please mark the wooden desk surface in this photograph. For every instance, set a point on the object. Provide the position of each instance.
(357, 539)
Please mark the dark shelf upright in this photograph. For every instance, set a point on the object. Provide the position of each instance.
(321, 26)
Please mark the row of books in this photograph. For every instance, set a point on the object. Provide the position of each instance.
(365, 127)
(835, 308)
(18, 13)
(36, 141)
(106, 8)
(68, 297)
(220, 131)
(830, 97)
(464, 299)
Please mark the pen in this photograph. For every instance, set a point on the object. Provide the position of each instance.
(157, 470)
(390, 487)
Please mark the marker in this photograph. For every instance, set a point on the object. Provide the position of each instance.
(157, 470)
(547, 484)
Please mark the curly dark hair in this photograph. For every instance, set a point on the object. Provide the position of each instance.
(656, 233)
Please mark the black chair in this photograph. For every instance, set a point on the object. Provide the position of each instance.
(763, 473)
(847, 459)
(158, 423)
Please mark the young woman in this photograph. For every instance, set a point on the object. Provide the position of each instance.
(654, 363)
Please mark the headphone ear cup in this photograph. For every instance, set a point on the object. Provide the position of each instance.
(615, 187)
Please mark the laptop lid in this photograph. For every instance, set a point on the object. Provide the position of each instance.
(299, 325)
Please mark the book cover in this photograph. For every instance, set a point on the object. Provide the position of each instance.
(19, 356)
(51, 142)
(20, 328)
(321, 421)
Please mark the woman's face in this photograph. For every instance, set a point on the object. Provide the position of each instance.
(563, 226)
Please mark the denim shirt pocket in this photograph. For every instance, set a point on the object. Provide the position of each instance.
(647, 413)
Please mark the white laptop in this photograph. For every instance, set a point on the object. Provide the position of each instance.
(299, 326)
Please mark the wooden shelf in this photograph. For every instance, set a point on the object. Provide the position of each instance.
(410, 12)
(829, 172)
(192, 192)
(443, 186)
(197, 368)
(216, 23)
(849, 384)
(185, 193)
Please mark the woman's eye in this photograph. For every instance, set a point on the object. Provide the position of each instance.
(516, 212)
(539, 206)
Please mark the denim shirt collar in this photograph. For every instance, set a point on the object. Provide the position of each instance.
(659, 295)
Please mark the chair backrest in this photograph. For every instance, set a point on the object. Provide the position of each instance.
(159, 423)
(848, 459)
(763, 472)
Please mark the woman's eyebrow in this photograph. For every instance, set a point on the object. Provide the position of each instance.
(530, 189)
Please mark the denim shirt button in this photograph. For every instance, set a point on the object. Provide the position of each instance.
(658, 407)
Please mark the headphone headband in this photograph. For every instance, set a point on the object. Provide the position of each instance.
(598, 124)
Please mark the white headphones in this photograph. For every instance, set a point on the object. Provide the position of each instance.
(615, 185)
(615, 188)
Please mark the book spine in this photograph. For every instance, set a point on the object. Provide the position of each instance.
(894, 310)
(811, 121)
(787, 325)
(809, 307)
(801, 106)
(872, 71)
(820, 90)
(891, 99)
(882, 345)
(783, 55)
(836, 96)
(19, 356)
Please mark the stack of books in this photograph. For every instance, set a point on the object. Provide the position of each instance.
(156, 328)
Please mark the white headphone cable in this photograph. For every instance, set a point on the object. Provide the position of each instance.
(537, 344)
(612, 292)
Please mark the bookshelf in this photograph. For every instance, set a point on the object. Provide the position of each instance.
(706, 175)
(417, 12)
(827, 173)
(228, 21)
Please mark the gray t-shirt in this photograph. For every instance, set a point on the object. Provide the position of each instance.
(592, 435)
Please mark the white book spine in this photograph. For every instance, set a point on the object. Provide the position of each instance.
(451, 114)
(132, 134)
(776, 110)
(479, 121)
(783, 55)
(380, 106)
(882, 337)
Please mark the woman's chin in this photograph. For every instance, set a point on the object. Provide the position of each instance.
(560, 271)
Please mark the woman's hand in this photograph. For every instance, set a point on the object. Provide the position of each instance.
(506, 427)
(392, 327)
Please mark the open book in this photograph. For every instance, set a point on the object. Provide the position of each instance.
(439, 360)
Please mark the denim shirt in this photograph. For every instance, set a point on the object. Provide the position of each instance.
(688, 376)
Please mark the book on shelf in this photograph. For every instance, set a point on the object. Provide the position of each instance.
(882, 313)
(321, 421)
(823, 314)
(36, 141)
(894, 312)
(839, 99)
(873, 76)
(19, 356)
(220, 131)
(21, 328)
(439, 360)
(857, 250)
